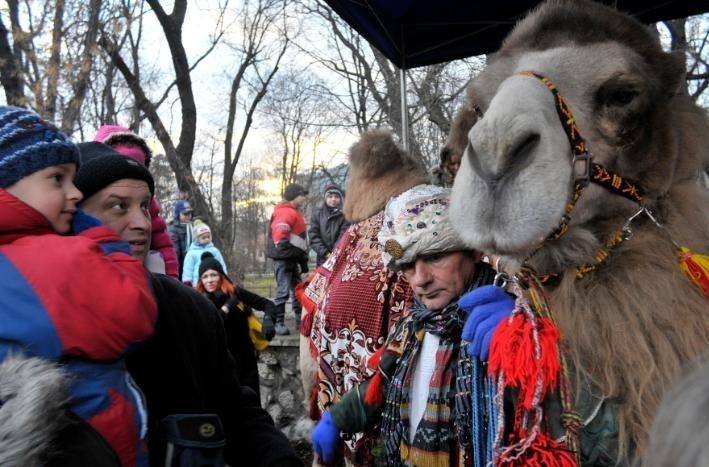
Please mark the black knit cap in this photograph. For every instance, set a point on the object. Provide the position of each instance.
(210, 262)
(332, 188)
(293, 190)
(102, 165)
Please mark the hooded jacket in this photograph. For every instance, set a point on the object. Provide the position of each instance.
(193, 258)
(326, 227)
(62, 298)
(286, 234)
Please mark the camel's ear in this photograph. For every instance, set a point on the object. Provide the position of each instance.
(674, 72)
(462, 123)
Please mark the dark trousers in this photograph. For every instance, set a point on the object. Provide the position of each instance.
(287, 277)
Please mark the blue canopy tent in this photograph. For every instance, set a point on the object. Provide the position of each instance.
(413, 33)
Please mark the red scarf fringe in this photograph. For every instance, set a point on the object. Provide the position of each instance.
(543, 452)
(512, 351)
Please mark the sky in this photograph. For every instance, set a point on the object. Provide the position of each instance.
(210, 84)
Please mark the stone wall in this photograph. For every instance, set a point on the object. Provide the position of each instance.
(281, 387)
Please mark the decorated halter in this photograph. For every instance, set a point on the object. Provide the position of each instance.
(585, 170)
(526, 353)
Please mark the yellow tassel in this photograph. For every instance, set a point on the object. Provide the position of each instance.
(696, 267)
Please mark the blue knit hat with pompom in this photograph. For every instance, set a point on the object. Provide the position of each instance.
(29, 144)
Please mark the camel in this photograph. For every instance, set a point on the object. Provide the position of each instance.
(628, 318)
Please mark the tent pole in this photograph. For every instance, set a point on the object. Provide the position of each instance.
(404, 113)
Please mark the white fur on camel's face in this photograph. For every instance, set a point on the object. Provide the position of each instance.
(515, 178)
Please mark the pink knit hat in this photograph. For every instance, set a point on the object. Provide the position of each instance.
(126, 142)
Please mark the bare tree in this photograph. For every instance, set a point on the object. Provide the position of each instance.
(299, 115)
(260, 55)
(54, 84)
(690, 35)
(179, 153)
(373, 87)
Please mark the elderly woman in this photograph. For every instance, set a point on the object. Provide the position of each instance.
(413, 393)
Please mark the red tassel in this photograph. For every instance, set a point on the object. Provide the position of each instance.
(375, 391)
(373, 361)
(543, 452)
(512, 351)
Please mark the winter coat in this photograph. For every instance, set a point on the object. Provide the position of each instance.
(287, 235)
(190, 270)
(326, 227)
(185, 368)
(181, 235)
(161, 241)
(63, 298)
(239, 307)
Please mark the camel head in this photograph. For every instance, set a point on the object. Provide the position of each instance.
(517, 174)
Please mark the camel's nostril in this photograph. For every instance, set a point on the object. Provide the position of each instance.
(485, 174)
(521, 155)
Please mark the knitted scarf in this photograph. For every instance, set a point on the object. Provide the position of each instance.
(438, 434)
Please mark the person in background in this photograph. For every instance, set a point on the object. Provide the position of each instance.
(79, 299)
(414, 394)
(287, 247)
(180, 230)
(236, 304)
(327, 224)
(124, 141)
(202, 241)
(185, 367)
(353, 296)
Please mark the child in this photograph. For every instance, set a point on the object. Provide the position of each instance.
(79, 300)
(202, 241)
(131, 145)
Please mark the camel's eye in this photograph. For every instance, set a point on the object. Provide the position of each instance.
(622, 97)
(618, 93)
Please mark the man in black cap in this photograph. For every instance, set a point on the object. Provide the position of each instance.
(288, 248)
(327, 223)
(185, 367)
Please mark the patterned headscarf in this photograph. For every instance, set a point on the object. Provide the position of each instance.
(416, 223)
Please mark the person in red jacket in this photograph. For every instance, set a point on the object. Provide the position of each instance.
(288, 248)
(79, 300)
(131, 145)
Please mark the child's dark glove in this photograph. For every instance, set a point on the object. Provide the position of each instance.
(83, 221)
(486, 307)
(325, 437)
